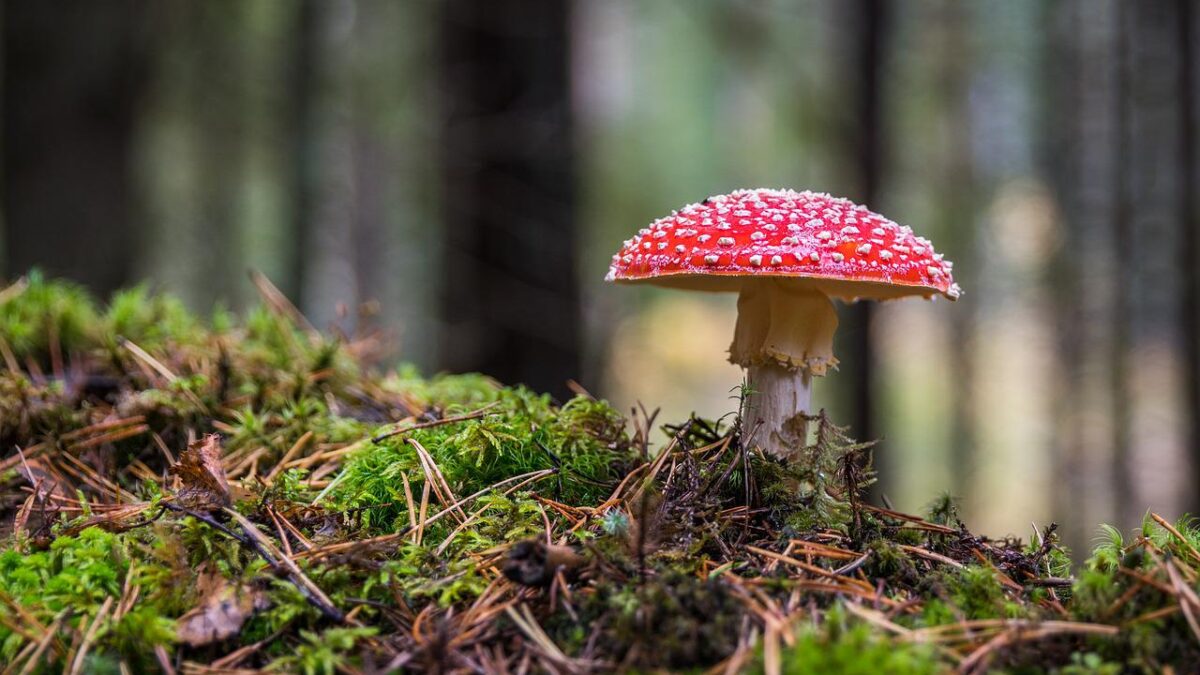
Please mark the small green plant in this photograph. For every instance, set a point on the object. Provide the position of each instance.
(151, 320)
(49, 316)
(828, 477)
(323, 653)
(840, 645)
(71, 581)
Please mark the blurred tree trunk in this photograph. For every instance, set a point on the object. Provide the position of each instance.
(303, 145)
(1086, 91)
(959, 207)
(1151, 364)
(73, 75)
(511, 305)
(869, 23)
(219, 103)
(1063, 54)
(1189, 224)
(1123, 238)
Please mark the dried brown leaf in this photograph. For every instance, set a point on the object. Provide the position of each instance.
(204, 486)
(223, 609)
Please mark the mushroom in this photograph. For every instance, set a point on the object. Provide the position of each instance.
(787, 254)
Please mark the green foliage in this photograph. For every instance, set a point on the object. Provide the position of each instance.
(288, 607)
(889, 561)
(454, 393)
(1111, 541)
(423, 575)
(852, 648)
(273, 341)
(321, 653)
(280, 425)
(72, 579)
(502, 519)
(943, 510)
(1089, 663)
(1094, 591)
(33, 411)
(48, 311)
(1057, 562)
(153, 321)
(524, 432)
(679, 622)
(286, 486)
(824, 478)
(144, 625)
(1188, 529)
(976, 592)
(75, 571)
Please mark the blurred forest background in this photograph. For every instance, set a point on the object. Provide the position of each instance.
(458, 174)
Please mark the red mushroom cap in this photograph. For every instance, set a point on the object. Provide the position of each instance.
(841, 248)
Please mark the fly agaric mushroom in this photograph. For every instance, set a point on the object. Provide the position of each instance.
(787, 254)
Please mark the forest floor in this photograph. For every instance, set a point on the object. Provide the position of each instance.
(235, 494)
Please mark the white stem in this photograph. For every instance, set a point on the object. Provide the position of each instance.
(775, 407)
(784, 337)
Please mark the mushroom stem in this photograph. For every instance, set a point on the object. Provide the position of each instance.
(775, 407)
(784, 337)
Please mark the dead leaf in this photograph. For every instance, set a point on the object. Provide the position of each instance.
(199, 469)
(221, 612)
(533, 562)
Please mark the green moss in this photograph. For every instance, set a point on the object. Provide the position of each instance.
(279, 427)
(453, 393)
(420, 574)
(73, 578)
(1088, 663)
(852, 648)
(943, 511)
(49, 312)
(584, 441)
(75, 571)
(153, 321)
(977, 593)
(679, 621)
(321, 653)
(889, 561)
(288, 609)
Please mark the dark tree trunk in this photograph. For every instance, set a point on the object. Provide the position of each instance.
(73, 72)
(865, 145)
(1151, 208)
(959, 206)
(1086, 90)
(303, 145)
(1189, 223)
(1123, 238)
(511, 302)
(218, 95)
(1064, 60)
